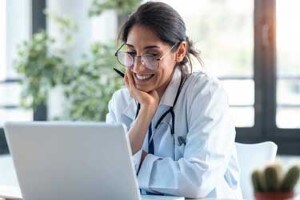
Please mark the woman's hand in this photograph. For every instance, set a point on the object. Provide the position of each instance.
(146, 99)
(149, 102)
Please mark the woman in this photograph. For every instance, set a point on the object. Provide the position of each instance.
(178, 122)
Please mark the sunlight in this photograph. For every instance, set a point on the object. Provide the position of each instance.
(288, 62)
(288, 28)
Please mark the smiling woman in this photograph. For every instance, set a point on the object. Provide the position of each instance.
(178, 122)
(152, 73)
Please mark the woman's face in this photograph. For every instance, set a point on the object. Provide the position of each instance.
(140, 41)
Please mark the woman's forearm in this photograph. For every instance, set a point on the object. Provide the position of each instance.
(139, 128)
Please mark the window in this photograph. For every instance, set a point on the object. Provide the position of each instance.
(251, 45)
(237, 40)
(2, 37)
(12, 33)
(288, 64)
(16, 26)
(223, 32)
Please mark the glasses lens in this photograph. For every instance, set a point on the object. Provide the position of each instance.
(125, 59)
(149, 61)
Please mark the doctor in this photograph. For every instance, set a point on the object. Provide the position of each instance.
(180, 131)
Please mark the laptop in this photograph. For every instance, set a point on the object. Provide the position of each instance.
(73, 161)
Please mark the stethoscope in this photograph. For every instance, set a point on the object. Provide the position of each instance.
(171, 111)
(181, 140)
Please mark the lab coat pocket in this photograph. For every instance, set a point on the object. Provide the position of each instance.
(179, 149)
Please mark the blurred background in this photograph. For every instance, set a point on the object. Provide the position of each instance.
(56, 60)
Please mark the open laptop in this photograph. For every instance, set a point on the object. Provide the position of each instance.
(73, 161)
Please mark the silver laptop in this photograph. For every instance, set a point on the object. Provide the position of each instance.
(72, 161)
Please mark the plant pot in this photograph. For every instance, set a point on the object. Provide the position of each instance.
(274, 195)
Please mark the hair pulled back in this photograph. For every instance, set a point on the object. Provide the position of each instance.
(166, 22)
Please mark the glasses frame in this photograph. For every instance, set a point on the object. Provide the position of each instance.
(135, 57)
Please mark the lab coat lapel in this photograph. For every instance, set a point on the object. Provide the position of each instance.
(170, 93)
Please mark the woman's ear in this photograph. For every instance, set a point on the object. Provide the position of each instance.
(181, 51)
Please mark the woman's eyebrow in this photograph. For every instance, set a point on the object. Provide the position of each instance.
(129, 45)
(152, 47)
(146, 47)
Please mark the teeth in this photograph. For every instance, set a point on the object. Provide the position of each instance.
(143, 77)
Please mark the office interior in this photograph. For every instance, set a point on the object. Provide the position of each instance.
(252, 46)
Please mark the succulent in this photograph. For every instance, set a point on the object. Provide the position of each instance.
(272, 178)
(291, 178)
(258, 180)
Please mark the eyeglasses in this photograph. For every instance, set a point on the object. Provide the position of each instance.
(149, 61)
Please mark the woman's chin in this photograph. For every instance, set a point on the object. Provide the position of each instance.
(144, 88)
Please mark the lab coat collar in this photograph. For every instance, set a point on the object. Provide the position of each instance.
(171, 91)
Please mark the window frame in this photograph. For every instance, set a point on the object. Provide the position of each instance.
(38, 23)
(288, 140)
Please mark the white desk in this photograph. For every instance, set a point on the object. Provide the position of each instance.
(7, 171)
(8, 176)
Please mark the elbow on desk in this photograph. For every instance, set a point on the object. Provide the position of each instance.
(195, 182)
(199, 189)
(197, 192)
(205, 189)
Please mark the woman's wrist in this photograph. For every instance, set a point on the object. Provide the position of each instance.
(148, 110)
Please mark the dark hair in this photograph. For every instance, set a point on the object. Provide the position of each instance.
(166, 23)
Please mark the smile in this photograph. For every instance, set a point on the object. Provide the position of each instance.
(144, 76)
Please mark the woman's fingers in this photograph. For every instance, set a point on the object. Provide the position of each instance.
(130, 83)
(144, 98)
(130, 79)
(126, 80)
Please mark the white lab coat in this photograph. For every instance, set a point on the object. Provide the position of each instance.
(204, 163)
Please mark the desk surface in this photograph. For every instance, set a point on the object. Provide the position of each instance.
(12, 191)
(8, 176)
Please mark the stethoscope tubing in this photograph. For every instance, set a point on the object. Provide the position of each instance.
(170, 110)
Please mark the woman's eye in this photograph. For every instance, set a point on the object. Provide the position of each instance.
(132, 53)
(152, 55)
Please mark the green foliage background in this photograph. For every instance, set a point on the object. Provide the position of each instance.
(87, 85)
(91, 84)
(41, 69)
(121, 6)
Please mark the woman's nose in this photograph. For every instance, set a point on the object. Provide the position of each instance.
(138, 64)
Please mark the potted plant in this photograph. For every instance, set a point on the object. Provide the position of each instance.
(271, 183)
